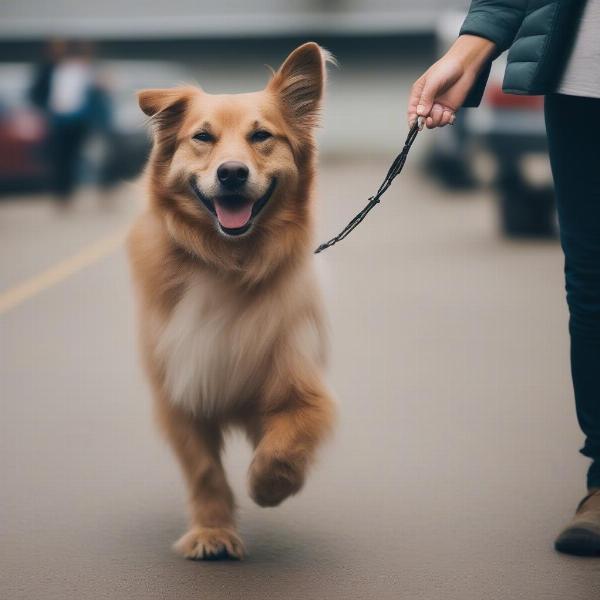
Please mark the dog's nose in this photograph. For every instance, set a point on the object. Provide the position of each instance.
(232, 174)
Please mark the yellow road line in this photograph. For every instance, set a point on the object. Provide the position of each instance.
(61, 271)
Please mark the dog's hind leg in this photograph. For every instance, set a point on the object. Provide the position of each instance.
(286, 440)
(197, 444)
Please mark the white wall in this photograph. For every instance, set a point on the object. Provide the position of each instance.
(115, 18)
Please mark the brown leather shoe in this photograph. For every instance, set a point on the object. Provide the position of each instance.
(582, 535)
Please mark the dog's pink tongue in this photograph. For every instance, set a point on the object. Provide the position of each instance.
(233, 218)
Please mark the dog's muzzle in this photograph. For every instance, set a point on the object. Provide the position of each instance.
(235, 213)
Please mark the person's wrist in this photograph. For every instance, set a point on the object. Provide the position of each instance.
(472, 52)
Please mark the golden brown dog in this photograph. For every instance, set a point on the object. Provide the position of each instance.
(230, 313)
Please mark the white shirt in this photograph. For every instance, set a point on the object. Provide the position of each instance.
(71, 82)
(582, 73)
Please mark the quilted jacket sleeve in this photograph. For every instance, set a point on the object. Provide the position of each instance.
(497, 21)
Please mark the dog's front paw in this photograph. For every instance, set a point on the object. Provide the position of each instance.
(272, 480)
(210, 543)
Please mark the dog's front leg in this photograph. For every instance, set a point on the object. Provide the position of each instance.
(286, 440)
(197, 444)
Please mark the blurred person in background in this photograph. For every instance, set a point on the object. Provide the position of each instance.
(554, 51)
(42, 80)
(69, 91)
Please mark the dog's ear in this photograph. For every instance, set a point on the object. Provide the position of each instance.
(166, 108)
(299, 84)
(155, 101)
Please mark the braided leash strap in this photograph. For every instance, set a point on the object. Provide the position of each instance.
(394, 170)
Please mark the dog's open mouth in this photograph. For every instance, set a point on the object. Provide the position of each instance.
(234, 212)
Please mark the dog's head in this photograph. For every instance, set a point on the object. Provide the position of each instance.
(231, 174)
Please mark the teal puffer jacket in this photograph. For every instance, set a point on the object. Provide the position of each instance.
(539, 33)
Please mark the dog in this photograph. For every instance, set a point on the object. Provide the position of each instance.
(230, 313)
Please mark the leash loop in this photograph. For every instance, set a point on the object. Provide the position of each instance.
(393, 171)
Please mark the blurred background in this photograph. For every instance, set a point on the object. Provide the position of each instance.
(455, 461)
(68, 75)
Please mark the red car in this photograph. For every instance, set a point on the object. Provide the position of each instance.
(22, 146)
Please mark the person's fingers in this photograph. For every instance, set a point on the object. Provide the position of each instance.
(437, 112)
(429, 92)
(413, 100)
(429, 98)
(447, 118)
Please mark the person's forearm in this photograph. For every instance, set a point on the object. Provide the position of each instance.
(472, 52)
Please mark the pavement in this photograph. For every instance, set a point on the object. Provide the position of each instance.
(455, 460)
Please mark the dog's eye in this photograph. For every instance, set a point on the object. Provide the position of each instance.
(261, 135)
(204, 136)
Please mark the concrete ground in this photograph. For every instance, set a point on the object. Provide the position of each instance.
(454, 464)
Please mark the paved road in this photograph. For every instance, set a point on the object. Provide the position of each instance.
(454, 464)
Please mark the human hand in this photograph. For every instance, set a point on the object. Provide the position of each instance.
(442, 89)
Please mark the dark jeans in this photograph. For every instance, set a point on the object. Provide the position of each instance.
(67, 137)
(573, 126)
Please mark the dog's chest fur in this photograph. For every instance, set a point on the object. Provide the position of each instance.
(217, 350)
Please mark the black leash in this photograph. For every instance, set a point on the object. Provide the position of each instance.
(373, 200)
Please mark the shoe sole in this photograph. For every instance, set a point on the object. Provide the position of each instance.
(579, 542)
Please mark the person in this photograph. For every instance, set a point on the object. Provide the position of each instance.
(66, 89)
(554, 50)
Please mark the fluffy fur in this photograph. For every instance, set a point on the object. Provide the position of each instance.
(231, 326)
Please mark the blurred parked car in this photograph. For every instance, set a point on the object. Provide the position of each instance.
(510, 129)
(119, 154)
(22, 134)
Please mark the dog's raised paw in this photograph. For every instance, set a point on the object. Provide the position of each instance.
(210, 543)
(272, 481)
